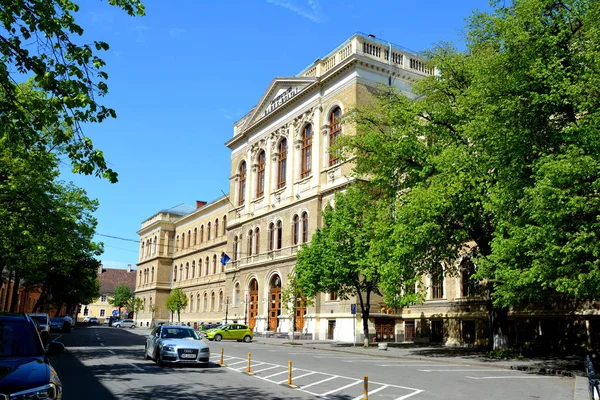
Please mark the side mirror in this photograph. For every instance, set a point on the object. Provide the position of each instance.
(55, 348)
(157, 334)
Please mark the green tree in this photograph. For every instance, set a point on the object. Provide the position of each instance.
(122, 297)
(338, 256)
(40, 40)
(292, 298)
(176, 302)
(496, 160)
(136, 305)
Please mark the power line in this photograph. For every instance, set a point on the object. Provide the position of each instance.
(119, 238)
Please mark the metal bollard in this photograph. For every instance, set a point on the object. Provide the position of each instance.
(290, 372)
(248, 368)
(221, 362)
(366, 388)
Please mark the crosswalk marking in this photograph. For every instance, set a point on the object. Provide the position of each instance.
(316, 383)
(345, 387)
(265, 369)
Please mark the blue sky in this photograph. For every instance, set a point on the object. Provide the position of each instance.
(183, 74)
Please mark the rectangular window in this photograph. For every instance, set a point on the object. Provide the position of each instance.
(333, 296)
(102, 312)
(85, 311)
(103, 298)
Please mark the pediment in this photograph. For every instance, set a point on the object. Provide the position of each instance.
(279, 93)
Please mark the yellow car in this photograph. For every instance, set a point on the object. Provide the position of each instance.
(230, 332)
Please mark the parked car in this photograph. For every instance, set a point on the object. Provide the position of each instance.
(126, 323)
(57, 324)
(112, 320)
(93, 321)
(230, 332)
(43, 321)
(26, 370)
(211, 326)
(175, 344)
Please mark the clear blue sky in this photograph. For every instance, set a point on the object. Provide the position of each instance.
(183, 74)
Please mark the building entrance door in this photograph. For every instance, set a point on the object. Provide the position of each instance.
(252, 304)
(274, 303)
(300, 312)
(384, 328)
(330, 329)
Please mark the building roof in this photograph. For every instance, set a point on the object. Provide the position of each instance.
(110, 278)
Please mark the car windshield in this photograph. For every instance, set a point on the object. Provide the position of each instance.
(56, 319)
(42, 320)
(179, 333)
(18, 339)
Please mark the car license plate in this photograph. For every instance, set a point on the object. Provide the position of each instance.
(188, 356)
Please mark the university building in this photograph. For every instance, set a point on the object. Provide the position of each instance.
(282, 177)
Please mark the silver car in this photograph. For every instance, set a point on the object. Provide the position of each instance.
(126, 323)
(176, 344)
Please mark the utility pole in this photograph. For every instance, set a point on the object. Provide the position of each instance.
(246, 310)
(226, 308)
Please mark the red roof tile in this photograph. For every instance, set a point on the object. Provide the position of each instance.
(110, 278)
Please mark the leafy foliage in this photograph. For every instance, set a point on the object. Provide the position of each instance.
(122, 297)
(176, 302)
(338, 256)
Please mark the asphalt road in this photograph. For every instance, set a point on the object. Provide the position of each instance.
(107, 363)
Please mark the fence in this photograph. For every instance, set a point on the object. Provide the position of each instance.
(593, 380)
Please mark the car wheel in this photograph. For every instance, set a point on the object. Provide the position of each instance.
(247, 339)
(218, 338)
(155, 356)
(132, 327)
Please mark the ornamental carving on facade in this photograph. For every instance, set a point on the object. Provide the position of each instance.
(301, 121)
(325, 129)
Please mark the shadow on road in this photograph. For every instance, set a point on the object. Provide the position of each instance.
(81, 382)
(171, 392)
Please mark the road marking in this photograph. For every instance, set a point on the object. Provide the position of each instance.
(101, 344)
(460, 370)
(509, 377)
(372, 392)
(417, 391)
(112, 352)
(295, 377)
(239, 362)
(418, 365)
(279, 373)
(316, 383)
(136, 367)
(58, 337)
(265, 369)
(347, 386)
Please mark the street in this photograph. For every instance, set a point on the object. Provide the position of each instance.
(107, 363)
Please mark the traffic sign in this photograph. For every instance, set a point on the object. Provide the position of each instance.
(353, 309)
(115, 313)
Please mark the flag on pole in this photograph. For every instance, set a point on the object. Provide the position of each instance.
(224, 258)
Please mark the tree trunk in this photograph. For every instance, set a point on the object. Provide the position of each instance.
(15, 293)
(11, 273)
(178, 315)
(498, 321)
(364, 309)
(41, 300)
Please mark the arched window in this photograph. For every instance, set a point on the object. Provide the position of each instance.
(335, 129)
(242, 184)
(154, 250)
(181, 272)
(189, 238)
(304, 227)
(279, 234)
(437, 283)
(224, 224)
(216, 227)
(195, 236)
(235, 248)
(215, 264)
(212, 301)
(205, 305)
(306, 151)
(148, 247)
(201, 233)
(295, 227)
(250, 238)
(187, 270)
(142, 249)
(175, 274)
(152, 275)
(140, 281)
(198, 302)
(257, 240)
(220, 301)
(177, 243)
(191, 303)
(469, 286)
(208, 231)
(183, 241)
(193, 269)
(271, 236)
(236, 295)
(282, 163)
(206, 266)
(260, 175)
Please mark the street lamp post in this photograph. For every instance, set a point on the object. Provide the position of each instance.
(226, 308)
(246, 311)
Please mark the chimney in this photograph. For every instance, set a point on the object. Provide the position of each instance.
(128, 267)
(200, 204)
(100, 269)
